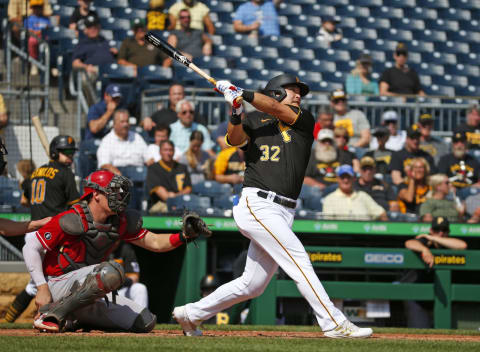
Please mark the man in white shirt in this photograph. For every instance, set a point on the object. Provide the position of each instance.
(161, 133)
(121, 147)
(397, 138)
(183, 128)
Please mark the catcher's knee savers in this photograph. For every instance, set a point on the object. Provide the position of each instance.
(105, 278)
(145, 322)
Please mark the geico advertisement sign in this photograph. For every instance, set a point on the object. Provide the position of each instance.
(383, 258)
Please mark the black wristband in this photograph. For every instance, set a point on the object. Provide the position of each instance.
(235, 119)
(248, 95)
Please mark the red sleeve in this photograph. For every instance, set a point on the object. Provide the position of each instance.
(316, 129)
(51, 234)
(133, 237)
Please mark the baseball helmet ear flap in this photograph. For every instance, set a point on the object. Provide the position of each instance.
(275, 88)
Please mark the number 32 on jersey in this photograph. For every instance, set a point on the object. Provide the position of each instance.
(271, 152)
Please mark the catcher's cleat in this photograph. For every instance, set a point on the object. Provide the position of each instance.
(189, 328)
(45, 326)
(348, 330)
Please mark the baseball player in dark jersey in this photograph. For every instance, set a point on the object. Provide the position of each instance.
(277, 148)
(50, 190)
(67, 257)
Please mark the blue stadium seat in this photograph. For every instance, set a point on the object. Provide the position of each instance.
(454, 14)
(224, 17)
(308, 214)
(309, 191)
(108, 33)
(313, 203)
(468, 59)
(223, 202)
(430, 36)
(183, 74)
(375, 23)
(111, 3)
(402, 217)
(425, 80)
(360, 33)
(407, 24)
(228, 51)
(318, 65)
(471, 26)
(304, 20)
(334, 77)
(212, 189)
(414, 58)
(352, 11)
(87, 157)
(463, 36)
(221, 6)
(439, 58)
(464, 193)
(64, 12)
(431, 69)
(102, 12)
(471, 90)
(336, 2)
(277, 42)
(129, 13)
(211, 62)
(433, 4)
(248, 63)
(348, 22)
(368, 3)
(140, 4)
(348, 44)
(152, 75)
(228, 73)
(311, 42)
(325, 86)
(310, 76)
(380, 45)
(253, 84)
(289, 9)
(421, 46)
(399, 35)
(319, 10)
(238, 39)
(462, 70)
(297, 53)
(453, 48)
(138, 175)
(386, 12)
(64, 62)
(297, 31)
(450, 80)
(120, 35)
(224, 28)
(442, 25)
(188, 201)
(114, 23)
(345, 66)
(420, 13)
(302, 2)
(440, 90)
(264, 74)
(117, 72)
(400, 3)
(52, 34)
(261, 52)
(463, 4)
(332, 55)
(281, 64)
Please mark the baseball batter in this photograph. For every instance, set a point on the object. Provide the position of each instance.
(73, 274)
(277, 148)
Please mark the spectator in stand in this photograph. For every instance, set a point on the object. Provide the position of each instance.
(436, 147)
(136, 52)
(184, 126)
(99, 115)
(229, 166)
(412, 192)
(419, 312)
(3, 114)
(437, 203)
(401, 160)
(396, 139)
(400, 79)
(168, 115)
(192, 43)
(121, 147)
(324, 120)
(341, 142)
(462, 169)
(18, 10)
(35, 23)
(380, 191)
(166, 179)
(324, 160)
(81, 12)
(359, 81)
(161, 133)
(380, 153)
(472, 129)
(257, 18)
(200, 15)
(93, 50)
(472, 208)
(157, 17)
(196, 159)
(354, 121)
(347, 203)
(329, 31)
(25, 168)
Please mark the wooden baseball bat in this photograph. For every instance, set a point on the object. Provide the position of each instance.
(178, 56)
(41, 134)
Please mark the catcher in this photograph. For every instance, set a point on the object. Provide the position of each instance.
(72, 277)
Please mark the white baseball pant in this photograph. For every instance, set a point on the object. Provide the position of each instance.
(273, 243)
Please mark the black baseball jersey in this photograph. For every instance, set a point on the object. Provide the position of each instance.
(472, 133)
(50, 190)
(277, 154)
(403, 158)
(174, 179)
(326, 172)
(461, 173)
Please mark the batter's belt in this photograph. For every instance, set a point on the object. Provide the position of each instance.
(285, 202)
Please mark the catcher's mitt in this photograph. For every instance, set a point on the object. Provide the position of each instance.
(193, 226)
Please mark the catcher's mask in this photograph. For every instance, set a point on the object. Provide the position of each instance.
(3, 152)
(115, 187)
(275, 87)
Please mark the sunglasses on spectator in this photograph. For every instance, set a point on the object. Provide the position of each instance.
(187, 111)
(336, 101)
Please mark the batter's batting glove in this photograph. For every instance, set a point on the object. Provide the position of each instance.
(222, 86)
(232, 95)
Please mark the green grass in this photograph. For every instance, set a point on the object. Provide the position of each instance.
(140, 343)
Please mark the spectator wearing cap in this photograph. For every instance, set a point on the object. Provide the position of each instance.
(419, 312)
(136, 52)
(93, 50)
(347, 203)
(380, 153)
(192, 43)
(324, 120)
(354, 121)
(401, 160)
(157, 17)
(360, 81)
(329, 32)
(35, 24)
(471, 128)
(79, 15)
(434, 146)
(200, 15)
(396, 138)
(100, 114)
(324, 160)
(462, 169)
(400, 79)
(379, 190)
(437, 203)
(412, 192)
(257, 18)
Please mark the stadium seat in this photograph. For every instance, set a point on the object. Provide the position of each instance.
(407, 24)
(401, 217)
(399, 35)
(277, 42)
(465, 192)
(360, 33)
(442, 25)
(430, 36)
(298, 31)
(136, 174)
(468, 59)
(220, 6)
(212, 189)
(117, 72)
(128, 13)
(439, 58)
(313, 203)
(253, 84)
(348, 22)
(471, 90)
(311, 42)
(400, 3)
(302, 2)
(425, 80)
(140, 4)
(228, 52)
(368, 3)
(462, 70)
(289, 9)
(154, 75)
(261, 52)
(453, 48)
(348, 44)
(420, 13)
(440, 90)
(450, 80)
(108, 33)
(52, 34)
(102, 12)
(211, 62)
(463, 36)
(188, 201)
(310, 76)
(318, 10)
(352, 11)
(421, 46)
(242, 40)
(334, 77)
(470, 26)
(336, 2)
(297, 53)
(114, 24)
(454, 14)
(112, 3)
(332, 55)
(304, 20)
(64, 12)
(308, 214)
(280, 64)
(318, 65)
(309, 191)
(380, 45)
(224, 28)
(464, 4)
(386, 12)
(375, 23)
(228, 73)
(223, 202)
(248, 63)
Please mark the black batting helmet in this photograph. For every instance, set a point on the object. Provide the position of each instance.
(59, 143)
(275, 87)
(209, 281)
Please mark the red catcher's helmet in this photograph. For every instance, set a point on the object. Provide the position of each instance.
(115, 187)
